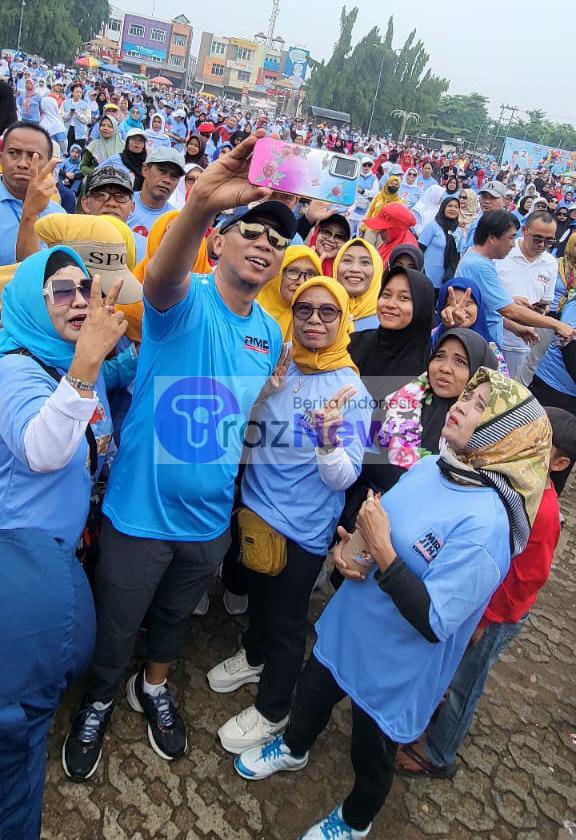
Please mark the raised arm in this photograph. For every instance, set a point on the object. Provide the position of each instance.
(222, 186)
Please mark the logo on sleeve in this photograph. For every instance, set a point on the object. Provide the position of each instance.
(428, 546)
(257, 345)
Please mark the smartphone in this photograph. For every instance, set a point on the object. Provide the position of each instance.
(356, 555)
(300, 170)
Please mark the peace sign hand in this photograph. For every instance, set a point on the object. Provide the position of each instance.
(454, 313)
(328, 419)
(103, 327)
(41, 186)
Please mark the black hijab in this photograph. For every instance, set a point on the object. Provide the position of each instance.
(434, 413)
(200, 156)
(412, 251)
(449, 226)
(385, 354)
(133, 161)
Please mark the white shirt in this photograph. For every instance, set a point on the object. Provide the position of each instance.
(534, 281)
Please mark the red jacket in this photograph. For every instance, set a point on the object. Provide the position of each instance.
(528, 571)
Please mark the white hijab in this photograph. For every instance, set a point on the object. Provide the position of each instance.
(50, 118)
(426, 208)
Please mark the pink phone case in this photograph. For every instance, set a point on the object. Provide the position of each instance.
(300, 170)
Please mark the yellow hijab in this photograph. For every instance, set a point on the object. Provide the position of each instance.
(384, 197)
(365, 304)
(134, 311)
(270, 298)
(336, 355)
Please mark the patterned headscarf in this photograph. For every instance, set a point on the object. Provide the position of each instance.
(509, 451)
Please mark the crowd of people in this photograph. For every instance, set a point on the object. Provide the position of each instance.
(201, 377)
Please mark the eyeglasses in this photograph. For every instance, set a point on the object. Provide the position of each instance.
(254, 230)
(326, 233)
(62, 292)
(327, 313)
(102, 196)
(295, 274)
(549, 242)
(562, 215)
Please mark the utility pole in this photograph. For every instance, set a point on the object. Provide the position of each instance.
(376, 92)
(20, 27)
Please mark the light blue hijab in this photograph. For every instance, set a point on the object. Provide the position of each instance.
(25, 319)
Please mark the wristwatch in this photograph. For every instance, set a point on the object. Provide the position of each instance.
(80, 384)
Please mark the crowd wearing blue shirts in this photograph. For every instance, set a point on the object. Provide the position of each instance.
(152, 408)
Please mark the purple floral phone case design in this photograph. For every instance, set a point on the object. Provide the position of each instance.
(299, 170)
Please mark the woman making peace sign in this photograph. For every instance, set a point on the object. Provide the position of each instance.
(294, 482)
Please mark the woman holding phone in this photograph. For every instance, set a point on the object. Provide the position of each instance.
(392, 637)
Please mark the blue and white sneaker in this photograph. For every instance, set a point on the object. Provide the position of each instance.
(273, 757)
(333, 827)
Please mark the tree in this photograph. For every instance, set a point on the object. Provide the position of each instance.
(53, 29)
(88, 17)
(349, 80)
(466, 116)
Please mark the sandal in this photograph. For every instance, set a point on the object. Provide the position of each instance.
(424, 769)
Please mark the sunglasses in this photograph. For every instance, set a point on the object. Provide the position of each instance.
(549, 242)
(326, 312)
(62, 292)
(101, 196)
(295, 274)
(254, 230)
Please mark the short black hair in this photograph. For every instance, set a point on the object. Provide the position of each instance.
(563, 430)
(494, 223)
(540, 216)
(30, 127)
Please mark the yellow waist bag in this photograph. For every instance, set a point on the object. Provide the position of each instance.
(262, 549)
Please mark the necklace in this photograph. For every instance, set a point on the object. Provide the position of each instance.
(298, 385)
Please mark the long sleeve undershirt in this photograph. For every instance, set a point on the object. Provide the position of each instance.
(54, 434)
(410, 596)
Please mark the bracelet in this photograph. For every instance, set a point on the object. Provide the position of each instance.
(80, 384)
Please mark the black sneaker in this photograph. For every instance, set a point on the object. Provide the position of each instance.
(166, 730)
(82, 748)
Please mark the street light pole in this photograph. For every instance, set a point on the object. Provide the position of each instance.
(20, 27)
(376, 92)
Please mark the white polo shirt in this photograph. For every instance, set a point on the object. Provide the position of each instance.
(534, 281)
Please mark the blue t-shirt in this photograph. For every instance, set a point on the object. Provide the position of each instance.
(457, 540)
(200, 369)
(282, 483)
(552, 369)
(410, 193)
(56, 501)
(434, 238)
(495, 297)
(141, 220)
(370, 322)
(10, 215)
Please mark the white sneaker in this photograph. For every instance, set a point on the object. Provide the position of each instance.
(233, 673)
(334, 826)
(273, 757)
(202, 606)
(248, 729)
(234, 604)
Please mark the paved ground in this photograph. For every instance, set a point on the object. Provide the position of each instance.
(517, 776)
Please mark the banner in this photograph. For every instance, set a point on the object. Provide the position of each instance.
(295, 66)
(527, 155)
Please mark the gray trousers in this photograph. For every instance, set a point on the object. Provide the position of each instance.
(142, 577)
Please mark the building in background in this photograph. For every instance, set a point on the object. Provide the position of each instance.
(106, 45)
(155, 47)
(240, 67)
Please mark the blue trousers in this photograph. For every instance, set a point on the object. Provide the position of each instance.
(448, 729)
(47, 631)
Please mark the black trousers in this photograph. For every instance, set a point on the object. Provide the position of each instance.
(276, 636)
(372, 752)
(142, 577)
(551, 397)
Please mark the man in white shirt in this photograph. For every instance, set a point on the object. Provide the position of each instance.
(529, 275)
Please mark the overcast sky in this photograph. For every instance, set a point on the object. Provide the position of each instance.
(515, 52)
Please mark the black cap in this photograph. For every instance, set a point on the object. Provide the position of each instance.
(282, 218)
(563, 430)
(109, 176)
